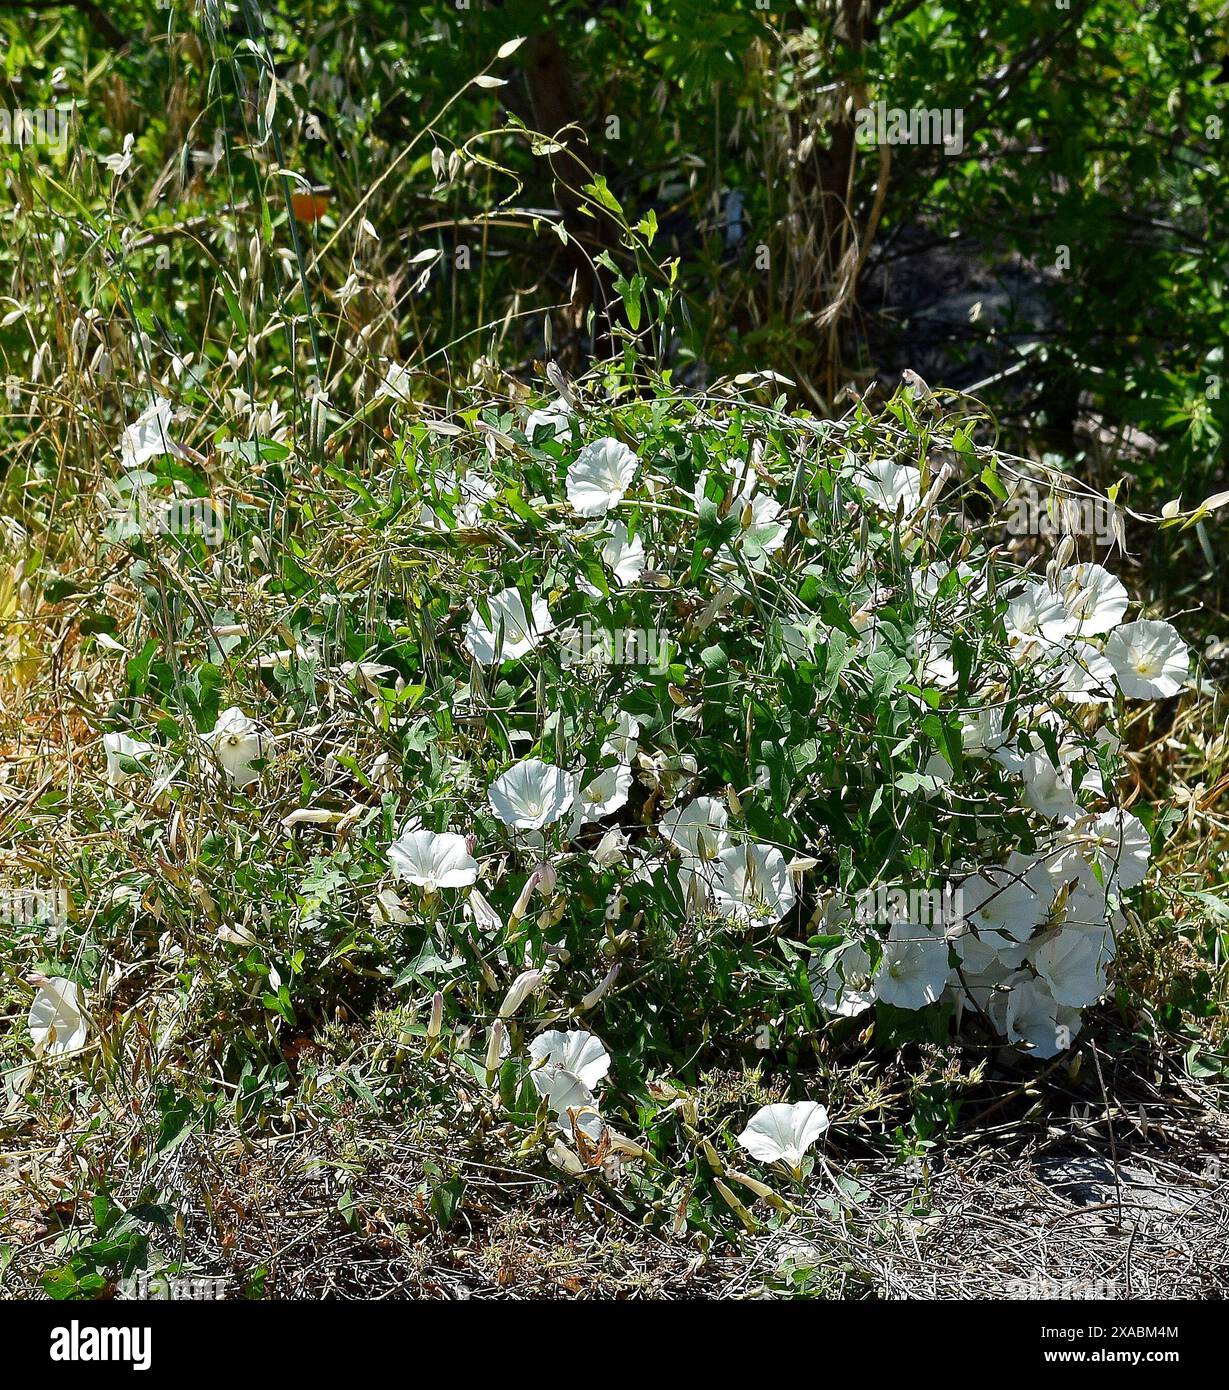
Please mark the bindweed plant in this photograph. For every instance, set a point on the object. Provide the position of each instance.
(598, 744)
(601, 777)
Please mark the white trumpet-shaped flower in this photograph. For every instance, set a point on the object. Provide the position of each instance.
(752, 883)
(531, 794)
(433, 861)
(511, 631)
(982, 969)
(611, 849)
(554, 421)
(1034, 1018)
(913, 970)
(482, 914)
(607, 792)
(601, 474)
(1074, 961)
(620, 743)
(57, 1021)
(602, 796)
(698, 830)
(568, 1069)
(1049, 790)
(1150, 660)
(1095, 599)
(149, 436)
(624, 556)
(119, 164)
(397, 383)
(1010, 900)
(119, 749)
(526, 983)
(574, 1051)
(1115, 843)
(981, 731)
(888, 484)
(845, 987)
(238, 742)
(1087, 678)
(1036, 617)
(784, 1133)
(386, 907)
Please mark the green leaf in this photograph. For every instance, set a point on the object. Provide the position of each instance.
(991, 481)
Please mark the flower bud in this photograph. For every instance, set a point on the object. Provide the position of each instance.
(495, 1046)
(522, 987)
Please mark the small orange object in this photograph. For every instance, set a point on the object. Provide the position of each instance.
(309, 207)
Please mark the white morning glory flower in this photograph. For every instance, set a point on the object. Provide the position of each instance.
(621, 741)
(531, 794)
(119, 164)
(845, 988)
(526, 983)
(982, 969)
(914, 970)
(981, 731)
(1074, 962)
(783, 1133)
(1095, 599)
(482, 914)
(238, 742)
(1087, 677)
(569, 1067)
(149, 437)
(578, 1053)
(555, 420)
(762, 532)
(698, 830)
(118, 749)
(1048, 789)
(752, 883)
(57, 1019)
(1036, 616)
(1032, 1016)
(932, 651)
(433, 861)
(386, 907)
(1116, 843)
(888, 484)
(398, 383)
(601, 474)
(520, 632)
(611, 849)
(603, 796)
(1150, 660)
(569, 1099)
(624, 557)
(1011, 900)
